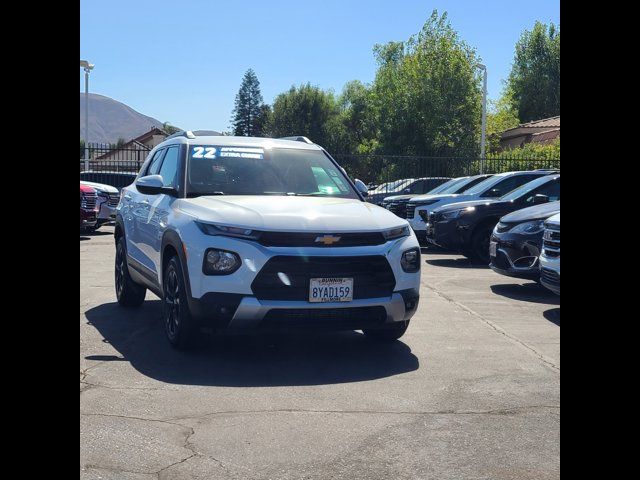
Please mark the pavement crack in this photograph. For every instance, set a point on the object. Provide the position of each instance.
(546, 360)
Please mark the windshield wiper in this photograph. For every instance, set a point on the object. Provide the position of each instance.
(200, 194)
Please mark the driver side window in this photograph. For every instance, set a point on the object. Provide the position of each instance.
(154, 166)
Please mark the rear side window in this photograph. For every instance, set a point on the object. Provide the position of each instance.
(169, 169)
(508, 184)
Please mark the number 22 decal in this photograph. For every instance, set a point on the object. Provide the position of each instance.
(198, 152)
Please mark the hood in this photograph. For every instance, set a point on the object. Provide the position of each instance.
(100, 186)
(458, 197)
(537, 212)
(555, 220)
(472, 203)
(290, 214)
(397, 198)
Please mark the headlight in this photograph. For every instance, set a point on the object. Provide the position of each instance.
(223, 230)
(410, 260)
(220, 262)
(396, 233)
(535, 226)
(453, 214)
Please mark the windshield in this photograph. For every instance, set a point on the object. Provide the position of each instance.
(217, 170)
(524, 189)
(484, 185)
(447, 187)
(393, 186)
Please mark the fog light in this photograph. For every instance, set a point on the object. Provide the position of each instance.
(410, 260)
(220, 262)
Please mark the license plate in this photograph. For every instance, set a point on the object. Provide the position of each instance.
(331, 290)
(493, 249)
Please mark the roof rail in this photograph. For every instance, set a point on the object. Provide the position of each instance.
(190, 134)
(298, 138)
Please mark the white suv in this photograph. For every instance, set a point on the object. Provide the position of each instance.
(258, 233)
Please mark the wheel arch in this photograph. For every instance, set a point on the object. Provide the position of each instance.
(172, 245)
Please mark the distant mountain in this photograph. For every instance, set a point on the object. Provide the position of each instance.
(110, 120)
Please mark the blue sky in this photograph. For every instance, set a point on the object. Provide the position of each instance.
(182, 62)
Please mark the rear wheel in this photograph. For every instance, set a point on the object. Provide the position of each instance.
(180, 327)
(128, 293)
(388, 333)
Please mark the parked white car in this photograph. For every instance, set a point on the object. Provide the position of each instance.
(550, 256)
(249, 233)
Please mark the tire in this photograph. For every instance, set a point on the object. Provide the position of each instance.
(479, 249)
(387, 334)
(179, 325)
(128, 293)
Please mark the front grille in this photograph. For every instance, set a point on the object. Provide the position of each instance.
(551, 242)
(88, 201)
(550, 276)
(291, 239)
(398, 208)
(343, 318)
(114, 198)
(372, 276)
(410, 210)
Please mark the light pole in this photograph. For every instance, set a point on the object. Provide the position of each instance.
(484, 116)
(87, 69)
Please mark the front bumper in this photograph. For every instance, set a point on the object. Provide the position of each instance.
(447, 235)
(550, 273)
(87, 218)
(106, 213)
(242, 313)
(516, 255)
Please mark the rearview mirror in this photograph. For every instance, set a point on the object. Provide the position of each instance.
(361, 187)
(153, 185)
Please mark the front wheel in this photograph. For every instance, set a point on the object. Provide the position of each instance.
(179, 325)
(387, 333)
(128, 293)
(479, 248)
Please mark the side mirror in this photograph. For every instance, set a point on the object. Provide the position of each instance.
(494, 192)
(539, 198)
(153, 185)
(407, 190)
(361, 187)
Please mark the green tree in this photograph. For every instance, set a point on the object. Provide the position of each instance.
(501, 116)
(247, 114)
(426, 93)
(307, 110)
(535, 74)
(170, 129)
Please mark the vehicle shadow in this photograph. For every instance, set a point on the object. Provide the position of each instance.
(553, 315)
(246, 360)
(83, 238)
(460, 262)
(528, 292)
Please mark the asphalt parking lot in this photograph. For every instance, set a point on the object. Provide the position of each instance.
(472, 391)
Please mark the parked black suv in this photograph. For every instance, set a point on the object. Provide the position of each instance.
(516, 241)
(466, 226)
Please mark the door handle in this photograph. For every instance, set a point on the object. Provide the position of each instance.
(145, 201)
(127, 197)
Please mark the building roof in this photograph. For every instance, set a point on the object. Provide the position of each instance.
(536, 126)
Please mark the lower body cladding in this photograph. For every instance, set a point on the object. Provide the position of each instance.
(271, 290)
(515, 255)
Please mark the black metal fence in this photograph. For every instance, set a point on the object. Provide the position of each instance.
(379, 169)
(116, 166)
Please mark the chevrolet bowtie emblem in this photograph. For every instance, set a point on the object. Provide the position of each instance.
(327, 239)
